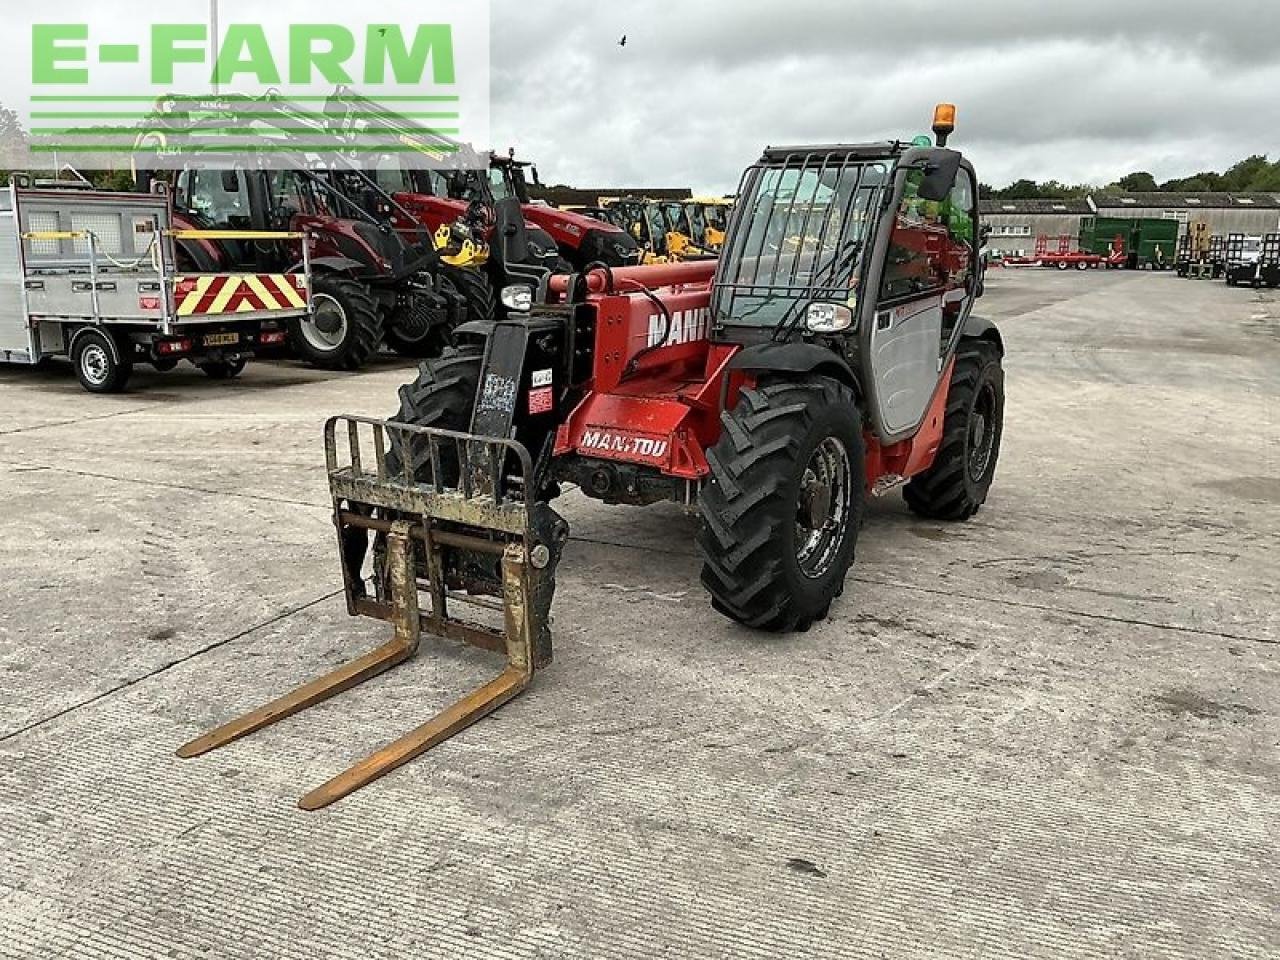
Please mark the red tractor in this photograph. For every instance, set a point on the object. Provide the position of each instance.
(452, 187)
(832, 354)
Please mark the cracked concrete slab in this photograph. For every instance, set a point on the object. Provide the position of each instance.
(1052, 732)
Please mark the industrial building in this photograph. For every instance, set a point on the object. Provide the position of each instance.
(1015, 224)
(1253, 214)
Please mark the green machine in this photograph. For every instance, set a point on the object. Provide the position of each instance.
(1148, 242)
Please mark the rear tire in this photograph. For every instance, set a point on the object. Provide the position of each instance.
(782, 507)
(346, 330)
(102, 366)
(956, 486)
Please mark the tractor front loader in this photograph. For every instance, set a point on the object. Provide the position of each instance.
(831, 354)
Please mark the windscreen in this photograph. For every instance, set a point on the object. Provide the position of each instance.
(800, 236)
(501, 185)
(697, 221)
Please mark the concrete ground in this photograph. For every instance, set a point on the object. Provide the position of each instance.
(1053, 732)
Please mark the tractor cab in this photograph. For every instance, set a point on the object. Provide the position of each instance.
(868, 252)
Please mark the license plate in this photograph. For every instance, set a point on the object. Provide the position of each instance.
(222, 340)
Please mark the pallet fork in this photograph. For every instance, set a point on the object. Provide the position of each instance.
(467, 543)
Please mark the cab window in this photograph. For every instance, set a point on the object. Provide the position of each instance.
(391, 177)
(221, 196)
(932, 245)
(292, 194)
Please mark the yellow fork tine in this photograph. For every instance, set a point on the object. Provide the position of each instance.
(464, 713)
(408, 627)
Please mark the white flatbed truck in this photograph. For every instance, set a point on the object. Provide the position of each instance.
(95, 276)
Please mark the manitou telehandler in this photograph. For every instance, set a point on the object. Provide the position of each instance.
(831, 354)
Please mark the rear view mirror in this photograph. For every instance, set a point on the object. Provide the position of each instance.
(230, 181)
(940, 173)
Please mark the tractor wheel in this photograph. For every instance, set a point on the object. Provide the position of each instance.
(346, 329)
(1063, 265)
(431, 343)
(956, 486)
(782, 507)
(476, 288)
(442, 396)
(1082, 265)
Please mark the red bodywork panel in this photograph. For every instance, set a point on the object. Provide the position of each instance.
(659, 406)
(566, 227)
(430, 212)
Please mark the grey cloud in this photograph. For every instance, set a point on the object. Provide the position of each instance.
(1082, 91)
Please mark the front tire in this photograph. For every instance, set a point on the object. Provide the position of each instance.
(345, 330)
(956, 486)
(101, 365)
(442, 396)
(475, 288)
(782, 507)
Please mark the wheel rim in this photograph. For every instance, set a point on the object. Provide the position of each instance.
(982, 433)
(825, 502)
(327, 328)
(95, 364)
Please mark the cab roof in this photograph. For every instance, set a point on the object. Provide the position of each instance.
(836, 151)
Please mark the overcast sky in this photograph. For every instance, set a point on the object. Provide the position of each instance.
(1077, 90)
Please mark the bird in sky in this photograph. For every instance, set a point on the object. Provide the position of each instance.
(623, 41)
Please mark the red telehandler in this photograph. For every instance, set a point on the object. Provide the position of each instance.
(831, 354)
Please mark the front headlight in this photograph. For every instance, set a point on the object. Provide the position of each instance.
(828, 318)
(518, 299)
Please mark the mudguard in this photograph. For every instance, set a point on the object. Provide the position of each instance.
(980, 328)
(334, 264)
(796, 358)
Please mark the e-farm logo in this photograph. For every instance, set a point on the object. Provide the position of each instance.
(60, 54)
(124, 89)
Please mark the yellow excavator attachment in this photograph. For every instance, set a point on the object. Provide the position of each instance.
(468, 534)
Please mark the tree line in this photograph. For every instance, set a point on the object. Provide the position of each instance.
(1256, 174)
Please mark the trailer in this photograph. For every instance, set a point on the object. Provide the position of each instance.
(1147, 242)
(94, 276)
(1253, 261)
(1065, 257)
(1269, 262)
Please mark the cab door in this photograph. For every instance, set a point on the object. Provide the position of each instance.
(926, 290)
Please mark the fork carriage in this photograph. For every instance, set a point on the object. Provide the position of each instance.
(478, 542)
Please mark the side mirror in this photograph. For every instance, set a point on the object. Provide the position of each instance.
(940, 172)
(537, 180)
(230, 181)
